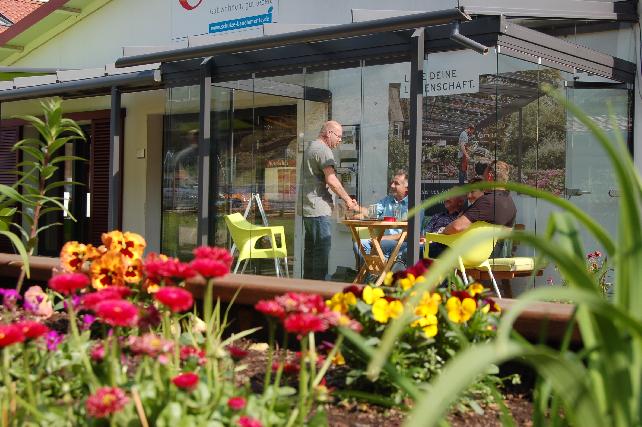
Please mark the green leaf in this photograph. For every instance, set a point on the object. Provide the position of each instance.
(59, 159)
(319, 419)
(17, 243)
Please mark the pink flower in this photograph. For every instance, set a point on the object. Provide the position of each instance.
(37, 302)
(236, 403)
(246, 421)
(303, 323)
(53, 340)
(213, 253)
(32, 330)
(68, 283)
(11, 334)
(117, 312)
(270, 308)
(106, 401)
(97, 352)
(209, 268)
(150, 344)
(89, 301)
(187, 381)
(175, 298)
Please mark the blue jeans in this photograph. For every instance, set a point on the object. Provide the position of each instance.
(387, 246)
(462, 177)
(316, 247)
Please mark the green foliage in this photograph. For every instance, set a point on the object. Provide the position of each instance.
(596, 387)
(437, 332)
(42, 158)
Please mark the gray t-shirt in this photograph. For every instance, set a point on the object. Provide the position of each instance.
(317, 200)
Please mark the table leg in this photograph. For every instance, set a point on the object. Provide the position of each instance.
(362, 271)
(391, 260)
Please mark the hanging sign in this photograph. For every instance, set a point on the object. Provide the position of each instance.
(196, 17)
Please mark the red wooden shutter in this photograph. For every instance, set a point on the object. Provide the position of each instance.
(99, 179)
(8, 160)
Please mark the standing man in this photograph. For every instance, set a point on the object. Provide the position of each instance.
(318, 178)
(464, 152)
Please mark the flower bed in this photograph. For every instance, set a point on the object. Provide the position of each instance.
(132, 349)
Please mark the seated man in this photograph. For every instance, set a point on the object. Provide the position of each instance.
(439, 221)
(397, 200)
(495, 206)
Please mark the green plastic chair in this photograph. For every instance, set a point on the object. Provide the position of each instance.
(245, 235)
(477, 256)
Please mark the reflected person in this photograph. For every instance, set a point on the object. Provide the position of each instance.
(318, 178)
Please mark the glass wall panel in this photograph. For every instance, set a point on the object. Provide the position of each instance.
(254, 135)
(180, 172)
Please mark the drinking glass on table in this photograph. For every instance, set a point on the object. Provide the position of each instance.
(373, 211)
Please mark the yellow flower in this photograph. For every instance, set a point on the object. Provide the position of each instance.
(371, 295)
(382, 310)
(475, 288)
(428, 324)
(388, 279)
(130, 245)
(409, 281)
(460, 311)
(108, 270)
(134, 271)
(73, 256)
(341, 302)
(338, 359)
(429, 304)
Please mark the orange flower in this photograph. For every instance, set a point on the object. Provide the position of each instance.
(108, 270)
(73, 256)
(130, 245)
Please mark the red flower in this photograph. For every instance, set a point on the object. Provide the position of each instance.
(462, 295)
(161, 267)
(356, 290)
(218, 254)
(32, 330)
(68, 283)
(303, 323)
(187, 381)
(249, 422)
(208, 267)
(106, 401)
(10, 334)
(270, 308)
(236, 403)
(89, 301)
(188, 352)
(174, 298)
(288, 367)
(117, 312)
(237, 353)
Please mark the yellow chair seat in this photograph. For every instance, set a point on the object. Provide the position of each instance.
(521, 263)
(245, 235)
(476, 256)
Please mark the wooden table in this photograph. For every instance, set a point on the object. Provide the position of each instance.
(375, 262)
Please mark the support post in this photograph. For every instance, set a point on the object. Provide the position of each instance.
(115, 174)
(204, 132)
(416, 139)
(520, 153)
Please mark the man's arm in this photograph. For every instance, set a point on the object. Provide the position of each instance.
(335, 185)
(458, 225)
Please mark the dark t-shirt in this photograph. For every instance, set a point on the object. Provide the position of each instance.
(495, 207)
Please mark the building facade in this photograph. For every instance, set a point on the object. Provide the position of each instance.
(212, 102)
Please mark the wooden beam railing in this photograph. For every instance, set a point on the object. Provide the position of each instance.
(541, 319)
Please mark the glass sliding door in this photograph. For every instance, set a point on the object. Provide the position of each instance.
(180, 172)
